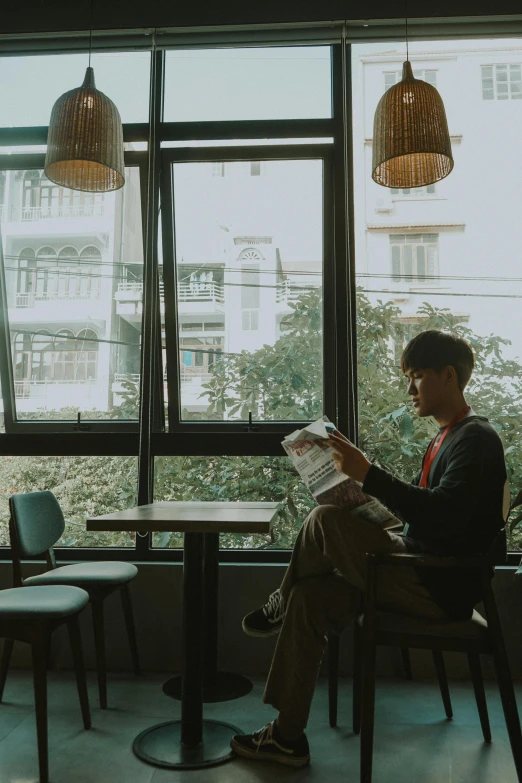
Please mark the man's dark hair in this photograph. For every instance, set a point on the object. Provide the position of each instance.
(435, 350)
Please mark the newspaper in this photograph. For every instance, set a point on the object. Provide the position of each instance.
(312, 456)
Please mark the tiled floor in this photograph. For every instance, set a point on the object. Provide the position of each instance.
(413, 741)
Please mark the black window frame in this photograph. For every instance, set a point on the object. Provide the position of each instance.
(147, 439)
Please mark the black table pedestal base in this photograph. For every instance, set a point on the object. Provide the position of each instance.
(161, 746)
(225, 687)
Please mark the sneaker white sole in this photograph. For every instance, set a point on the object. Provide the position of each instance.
(286, 761)
(260, 634)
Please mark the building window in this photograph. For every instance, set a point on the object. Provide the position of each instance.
(414, 192)
(218, 169)
(250, 320)
(414, 257)
(255, 168)
(41, 198)
(393, 77)
(502, 82)
(44, 358)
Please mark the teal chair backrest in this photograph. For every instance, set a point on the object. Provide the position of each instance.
(37, 522)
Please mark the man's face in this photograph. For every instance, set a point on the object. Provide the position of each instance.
(428, 390)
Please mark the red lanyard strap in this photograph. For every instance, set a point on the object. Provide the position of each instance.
(436, 443)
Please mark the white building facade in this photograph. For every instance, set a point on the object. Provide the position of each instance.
(453, 244)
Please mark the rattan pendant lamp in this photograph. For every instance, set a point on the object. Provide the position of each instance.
(411, 141)
(85, 139)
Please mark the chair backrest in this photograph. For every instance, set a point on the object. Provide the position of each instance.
(37, 522)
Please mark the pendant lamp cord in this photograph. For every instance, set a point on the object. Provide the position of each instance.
(90, 32)
(406, 23)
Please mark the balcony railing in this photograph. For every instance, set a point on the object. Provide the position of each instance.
(187, 292)
(129, 377)
(188, 375)
(289, 292)
(63, 211)
(29, 300)
(39, 389)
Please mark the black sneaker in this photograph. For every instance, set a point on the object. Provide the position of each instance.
(268, 745)
(268, 620)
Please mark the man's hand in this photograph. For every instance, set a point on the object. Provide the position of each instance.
(348, 458)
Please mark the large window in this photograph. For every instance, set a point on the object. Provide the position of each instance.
(249, 256)
(74, 308)
(448, 263)
(248, 84)
(226, 284)
(84, 486)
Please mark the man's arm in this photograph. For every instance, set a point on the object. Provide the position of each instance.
(455, 500)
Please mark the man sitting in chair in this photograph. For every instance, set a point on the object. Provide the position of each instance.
(453, 507)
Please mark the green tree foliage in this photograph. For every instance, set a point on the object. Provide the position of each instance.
(280, 382)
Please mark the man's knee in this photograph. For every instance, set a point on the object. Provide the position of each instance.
(324, 518)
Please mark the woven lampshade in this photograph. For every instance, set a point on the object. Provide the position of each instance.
(411, 142)
(85, 140)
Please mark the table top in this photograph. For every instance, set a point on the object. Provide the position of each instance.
(174, 516)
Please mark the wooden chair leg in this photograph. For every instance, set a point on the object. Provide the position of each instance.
(443, 682)
(4, 665)
(480, 696)
(39, 653)
(357, 674)
(333, 677)
(406, 663)
(131, 630)
(367, 705)
(75, 640)
(99, 644)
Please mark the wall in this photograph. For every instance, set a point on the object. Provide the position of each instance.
(33, 16)
(157, 593)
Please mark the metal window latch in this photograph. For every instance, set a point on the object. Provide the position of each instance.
(250, 427)
(79, 427)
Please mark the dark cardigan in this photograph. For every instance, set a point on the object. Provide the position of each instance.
(458, 513)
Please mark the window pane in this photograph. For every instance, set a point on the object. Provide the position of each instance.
(73, 266)
(473, 285)
(84, 487)
(248, 84)
(41, 79)
(250, 254)
(235, 479)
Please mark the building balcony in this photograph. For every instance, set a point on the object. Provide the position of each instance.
(289, 292)
(31, 300)
(61, 394)
(193, 298)
(55, 212)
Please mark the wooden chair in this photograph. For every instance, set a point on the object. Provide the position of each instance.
(30, 615)
(35, 526)
(474, 637)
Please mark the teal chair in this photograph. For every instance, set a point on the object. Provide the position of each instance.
(31, 615)
(36, 524)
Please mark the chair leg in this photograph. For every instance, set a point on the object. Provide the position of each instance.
(99, 644)
(4, 666)
(406, 663)
(443, 682)
(75, 640)
(333, 677)
(367, 705)
(131, 631)
(509, 704)
(480, 696)
(39, 653)
(357, 674)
